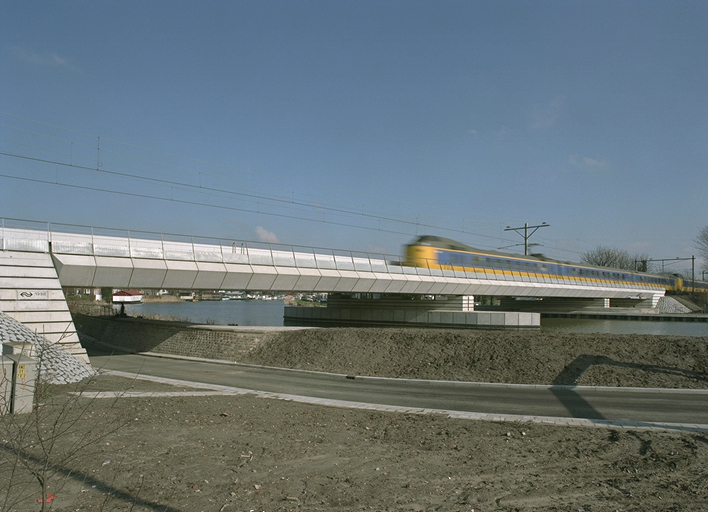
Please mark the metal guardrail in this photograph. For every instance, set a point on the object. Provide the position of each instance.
(57, 238)
(31, 236)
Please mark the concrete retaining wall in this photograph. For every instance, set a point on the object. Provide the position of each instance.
(412, 318)
(174, 338)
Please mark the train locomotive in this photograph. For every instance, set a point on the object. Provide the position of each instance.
(437, 253)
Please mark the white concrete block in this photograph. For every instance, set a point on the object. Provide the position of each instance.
(25, 271)
(263, 277)
(471, 319)
(347, 281)
(286, 279)
(75, 270)
(484, 318)
(237, 276)
(148, 274)
(210, 276)
(328, 280)
(112, 272)
(425, 284)
(383, 281)
(308, 280)
(180, 274)
(365, 282)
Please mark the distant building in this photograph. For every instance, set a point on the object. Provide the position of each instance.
(127, 297)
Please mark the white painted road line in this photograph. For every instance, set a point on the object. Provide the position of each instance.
(214, 389)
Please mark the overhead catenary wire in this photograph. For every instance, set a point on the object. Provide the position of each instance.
(285, 200)
(199, 188)
(379, 201)
(212, 205)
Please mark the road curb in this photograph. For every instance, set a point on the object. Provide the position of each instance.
(418, 381)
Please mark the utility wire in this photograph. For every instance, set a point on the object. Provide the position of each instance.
(388, 200)
(184, 186)
(290, 201)
(242, 194)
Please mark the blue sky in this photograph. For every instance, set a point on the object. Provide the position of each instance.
(358, 125)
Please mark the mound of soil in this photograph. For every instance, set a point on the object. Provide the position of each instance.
(494, 356)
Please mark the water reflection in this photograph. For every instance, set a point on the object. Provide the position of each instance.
(231, 312)
(586, 325)
(270, 313)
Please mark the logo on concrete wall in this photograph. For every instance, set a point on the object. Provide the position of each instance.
(32, 294)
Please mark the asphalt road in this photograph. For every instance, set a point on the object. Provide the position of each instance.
(602, 404)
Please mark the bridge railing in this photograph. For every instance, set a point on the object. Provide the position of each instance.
(30, 236)
(22, 235)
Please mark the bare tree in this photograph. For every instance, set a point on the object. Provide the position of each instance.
(38, 449)
(611, 257)
(701, 242)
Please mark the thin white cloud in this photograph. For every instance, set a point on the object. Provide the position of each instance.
(589, 164)
(503, 133)
(41, 60)
(266, 236)
(546, 115)
(58, 61)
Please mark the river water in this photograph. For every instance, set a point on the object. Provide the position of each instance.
(270, 313)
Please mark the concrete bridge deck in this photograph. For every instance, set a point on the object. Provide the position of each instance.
(37, 260)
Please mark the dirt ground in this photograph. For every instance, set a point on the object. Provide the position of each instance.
(242, 453)
(516, 357)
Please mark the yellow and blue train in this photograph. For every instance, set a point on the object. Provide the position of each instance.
(439, 253)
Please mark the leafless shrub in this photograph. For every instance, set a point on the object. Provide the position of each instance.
(38, 450)
(611, 257)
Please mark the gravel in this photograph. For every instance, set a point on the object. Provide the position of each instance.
(56, 366)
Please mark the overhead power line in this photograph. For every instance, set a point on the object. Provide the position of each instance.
(201, 189)
(388, 201)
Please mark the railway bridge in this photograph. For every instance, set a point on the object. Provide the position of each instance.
(38, 260)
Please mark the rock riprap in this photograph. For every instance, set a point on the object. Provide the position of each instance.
(56, 366)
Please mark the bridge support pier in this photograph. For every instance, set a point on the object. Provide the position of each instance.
(448, 311)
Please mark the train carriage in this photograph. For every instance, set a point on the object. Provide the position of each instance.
(437, 253)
